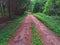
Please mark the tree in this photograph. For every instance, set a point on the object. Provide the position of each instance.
(17, 7)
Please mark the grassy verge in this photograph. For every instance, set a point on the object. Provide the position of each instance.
(52, 22)
(35, 39)
(9, 30)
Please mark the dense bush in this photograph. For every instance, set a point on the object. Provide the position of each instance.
(39, 6)
(36, 8)
(52, 7)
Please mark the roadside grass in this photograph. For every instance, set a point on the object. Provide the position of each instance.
(52, 22)
(36, 38)
(9, 30)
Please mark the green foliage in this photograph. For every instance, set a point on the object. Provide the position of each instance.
(36, 8)
(52, 22)
(39, 6)
(52, 7)
(36, 38)
(47, 5)
(58, 2)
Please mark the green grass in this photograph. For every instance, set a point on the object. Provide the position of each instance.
(35, 39)
(52, 22)
(9, 30)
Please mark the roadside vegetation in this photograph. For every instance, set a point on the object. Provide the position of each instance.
(36, 40)
(48, 12)
(52, 22)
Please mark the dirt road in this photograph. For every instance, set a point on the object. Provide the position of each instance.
(24, 34)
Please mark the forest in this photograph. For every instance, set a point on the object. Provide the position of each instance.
(34, 22)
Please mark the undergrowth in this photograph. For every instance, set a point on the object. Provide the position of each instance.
(36, 38)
